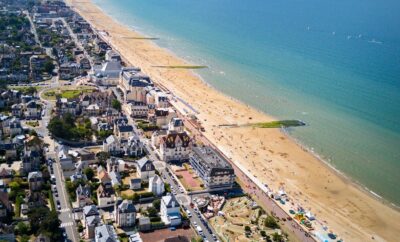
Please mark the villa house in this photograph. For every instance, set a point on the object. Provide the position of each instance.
(33, 110)
(105, 233)
(112, 145)
(6, 208)
(125, 213)
(162, 116)
(157, 98)
(115, 178)
(176, 144)
(35, 180)
(145, 168)
(123, 132)
(12, 127)
(91, 219)
(64, 106)
(31, 160)
(133, 84)
(105, 195)
(135, 184)
(112, 55)
(170, 211)
(101, 100)
(83, 194)
(156, 185)
(133, 147)
(65, 160)
(16, 110)
(138, 109)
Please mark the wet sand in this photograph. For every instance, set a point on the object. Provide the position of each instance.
(268, 154)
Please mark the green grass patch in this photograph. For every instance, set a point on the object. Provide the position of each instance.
(33, 123)
(66, 93)
(51, 200)
(279, 124)
(70, 94)
(182, 67)
(146, 126)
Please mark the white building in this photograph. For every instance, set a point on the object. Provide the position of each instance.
(156, 185)
(105, 233)
(145, 168)
(125, 213)
(133, 83)
(170, 211)
(176, 144)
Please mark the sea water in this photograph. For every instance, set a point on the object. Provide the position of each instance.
(333, 64)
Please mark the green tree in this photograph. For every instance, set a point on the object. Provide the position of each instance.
(116, 104)
(277, 237)
(153, 212)
(48, 66)
(46, 222)
(270, 222)
(89, 173)
(247, 228)
(22, 228)
(157, 203)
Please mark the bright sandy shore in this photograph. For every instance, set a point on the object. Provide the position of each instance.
(270, 155)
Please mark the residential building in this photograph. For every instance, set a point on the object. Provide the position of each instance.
(5, 206)
(35, 180)
(91, 219)
(83, 196)
(124, 131)
(212, 168)
(138, 109)
(125, 213)
(33, 110)
(156, 185)
(105, 195)
(144, 224)
(176, 144)
(133, 83)
(105, 233)
(135, 184)
(170, 211)
(145, 168)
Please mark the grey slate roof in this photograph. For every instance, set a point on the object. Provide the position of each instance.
(126, 207)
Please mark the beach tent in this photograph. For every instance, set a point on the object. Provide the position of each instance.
(321, 237)
(310, 216)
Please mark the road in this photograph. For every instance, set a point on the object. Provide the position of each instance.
(65, 213)
(77, 42)
(33, 28)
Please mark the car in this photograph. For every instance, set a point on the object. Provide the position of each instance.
(56, 194)
(189, 214)
(65, 234)
(194, 223)
(58, 207)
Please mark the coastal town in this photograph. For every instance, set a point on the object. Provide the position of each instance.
(93, 149)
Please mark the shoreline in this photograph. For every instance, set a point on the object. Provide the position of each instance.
(347, 180)
(342, 175)
(339, 173)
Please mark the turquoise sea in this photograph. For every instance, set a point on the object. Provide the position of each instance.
(333, 64)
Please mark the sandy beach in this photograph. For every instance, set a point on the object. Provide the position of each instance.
(269, 154)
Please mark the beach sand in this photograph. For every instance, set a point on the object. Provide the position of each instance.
(269, 154)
